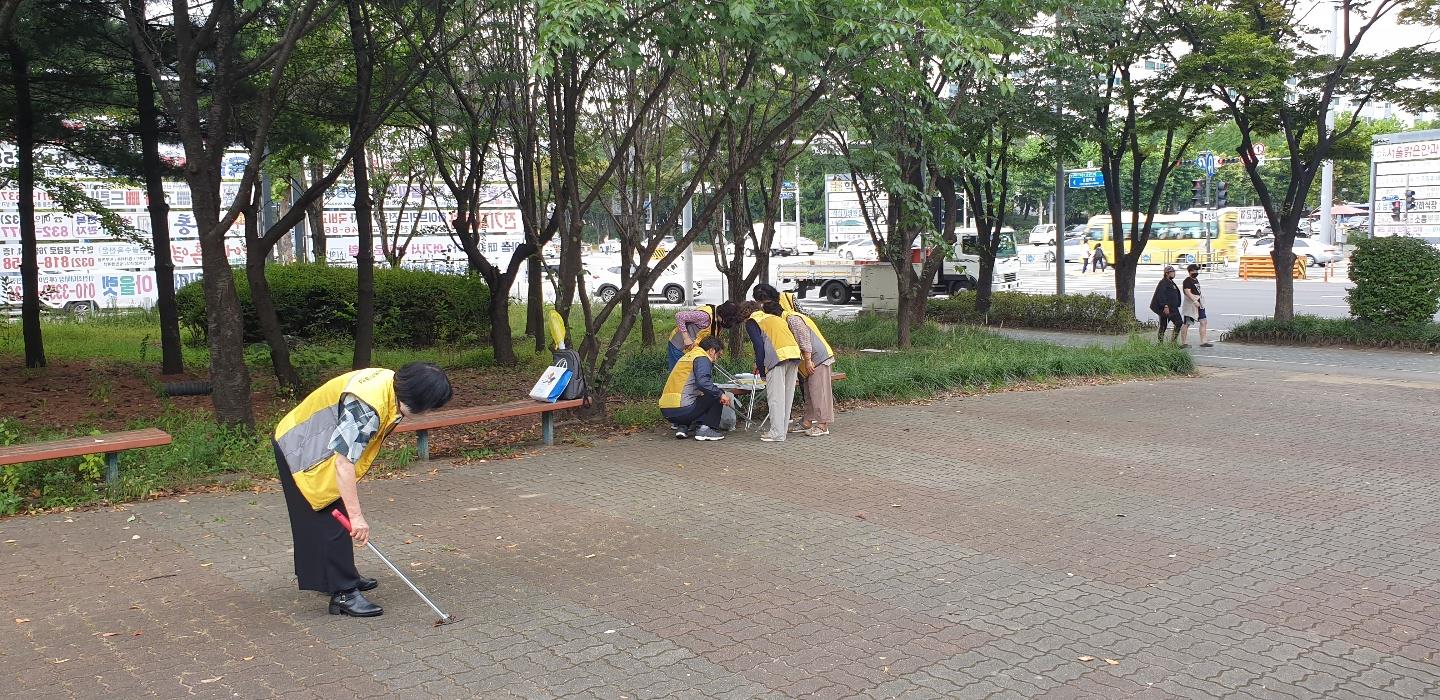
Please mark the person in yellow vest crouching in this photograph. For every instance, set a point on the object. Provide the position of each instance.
(690, 400)
(322, 447)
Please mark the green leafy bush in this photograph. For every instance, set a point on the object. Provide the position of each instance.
(1095, 313)
(1397, 281)
(1314, 330)
(413, 308)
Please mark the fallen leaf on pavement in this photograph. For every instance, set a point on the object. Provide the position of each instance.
(860, 515)
(1112, 662)
(106, 634)
(248, 658)
(130, 519)
(134, 537)
(9, 541)
(211, 680)
(58, 661)
(184, 500)
(208, 563)
(21, 620)
(1087, 658)
(408, 541)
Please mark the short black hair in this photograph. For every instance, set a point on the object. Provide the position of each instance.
(772, 307)
(712, 343)
(422, 386)
(1193, 268)
(765, 292)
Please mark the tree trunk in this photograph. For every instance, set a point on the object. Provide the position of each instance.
(984, 288)
(1284, 284)
(360, 166)
(364, 264)
(171, 355)
(647, 321)
(316, 213)
(225, 330)
(502, 340)
(1125, 283)
(255, 256)
(535, 301)
(29, 252)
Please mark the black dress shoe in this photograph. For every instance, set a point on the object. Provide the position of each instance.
(368, 584)
(354, 604)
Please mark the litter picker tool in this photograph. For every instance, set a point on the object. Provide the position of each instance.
(444, 618)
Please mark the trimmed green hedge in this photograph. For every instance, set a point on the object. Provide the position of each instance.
(1091, 313)
(1314, 330)
(1397, 281)
(413, 308)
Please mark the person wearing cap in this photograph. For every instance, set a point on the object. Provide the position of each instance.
(1166, 304)
(323, 447)
(1193, 308)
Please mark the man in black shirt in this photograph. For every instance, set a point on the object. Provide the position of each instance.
(1166, 304)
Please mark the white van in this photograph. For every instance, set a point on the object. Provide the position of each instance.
(1044, 234)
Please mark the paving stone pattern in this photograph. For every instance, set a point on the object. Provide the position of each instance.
(1146, 539)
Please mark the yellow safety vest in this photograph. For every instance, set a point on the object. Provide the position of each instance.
(304, 433)
(780, 343)
(673, 396)
(696, 334)
(821, 350)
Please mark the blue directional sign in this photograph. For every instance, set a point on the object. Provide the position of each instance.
(1208, 162)
(1086, 179)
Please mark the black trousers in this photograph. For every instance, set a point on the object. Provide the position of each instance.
(1174, 319)
(324, 552)
(705, 411)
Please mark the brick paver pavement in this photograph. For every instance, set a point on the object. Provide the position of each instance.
(1145, 539)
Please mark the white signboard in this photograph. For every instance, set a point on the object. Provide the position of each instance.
(844, 216)
(1405, 198)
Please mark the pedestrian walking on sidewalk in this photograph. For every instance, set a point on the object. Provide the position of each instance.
(1193, 308)
(1099, 261)
(1166, 304)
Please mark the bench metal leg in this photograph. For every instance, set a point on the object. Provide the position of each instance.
(547, 427)
(112, 468)
(422, 444)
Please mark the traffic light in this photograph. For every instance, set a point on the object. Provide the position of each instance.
(1222, 195)
(1395, 210)
(1198, 198)
(1409, 200)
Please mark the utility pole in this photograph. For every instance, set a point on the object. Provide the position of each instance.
(1327, 173)
(1060, 183)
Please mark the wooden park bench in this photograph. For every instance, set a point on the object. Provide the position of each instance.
(445, 418)
(111, 444)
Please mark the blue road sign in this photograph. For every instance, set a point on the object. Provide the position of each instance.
(1086, 179)
(1208, 162)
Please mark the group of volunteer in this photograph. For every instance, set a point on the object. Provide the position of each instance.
(788, 348)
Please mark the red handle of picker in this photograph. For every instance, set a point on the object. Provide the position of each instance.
(344, 521)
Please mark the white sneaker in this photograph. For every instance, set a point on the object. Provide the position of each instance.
(817, 431)
(767, 438)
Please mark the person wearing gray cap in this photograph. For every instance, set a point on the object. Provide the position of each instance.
(1166, 304)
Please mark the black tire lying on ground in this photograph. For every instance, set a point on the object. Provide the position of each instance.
(186, 388)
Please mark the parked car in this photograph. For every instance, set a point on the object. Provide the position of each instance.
(1074, 230)
(670, 285)
(1043, 234)
(805, 246)
(859, 249)
(1315, 252)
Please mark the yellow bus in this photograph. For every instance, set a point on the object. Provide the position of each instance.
(1205, 238)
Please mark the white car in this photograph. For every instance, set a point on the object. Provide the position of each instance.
(1076, 249)
(805, 246)
(1315, 252)
(859, 249)
(670, 285)
(1043, 234)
